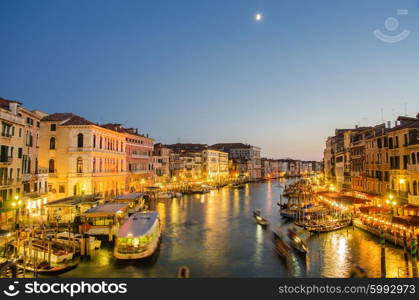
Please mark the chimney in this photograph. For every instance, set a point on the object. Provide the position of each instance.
(136, 130)
(388, 124)
(13, 107)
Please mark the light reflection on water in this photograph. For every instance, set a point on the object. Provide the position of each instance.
(216, 236)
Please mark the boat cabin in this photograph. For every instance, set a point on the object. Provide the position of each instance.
(105, 219)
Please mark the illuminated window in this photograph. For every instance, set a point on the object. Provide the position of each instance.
(79, 165)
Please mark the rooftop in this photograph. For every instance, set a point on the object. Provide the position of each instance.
(138, 224)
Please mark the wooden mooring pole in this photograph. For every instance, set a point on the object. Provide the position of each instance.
(413, 253)
(383, 254)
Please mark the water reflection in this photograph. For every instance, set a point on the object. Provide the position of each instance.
(215, 236)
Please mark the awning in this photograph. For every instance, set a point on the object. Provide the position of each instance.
(373, 209)
(105, 210)
(411, 207)
(406, 220)
(339, 197)
(130, 197)
(74, 200)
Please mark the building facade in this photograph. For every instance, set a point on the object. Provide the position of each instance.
(383, 163)
(241, 153)
(161, 163)
(82, 157)
(23, 185)
(139, 157)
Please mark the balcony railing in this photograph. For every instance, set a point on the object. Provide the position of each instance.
(26, 177)
(413, 168)
(6, 135)
(140, 156)
(413, 199)
(6, 182)
(6, 160)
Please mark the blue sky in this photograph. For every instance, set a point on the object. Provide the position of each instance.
(206, 71)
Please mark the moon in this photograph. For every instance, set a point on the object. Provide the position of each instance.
(258, 17)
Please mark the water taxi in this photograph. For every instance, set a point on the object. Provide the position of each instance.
(138, 237)
(259, 219)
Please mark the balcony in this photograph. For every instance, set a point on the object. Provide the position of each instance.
(81, 149)
(413, 199)
(143, 156)
(6, 135)
(6, 161)
(413, 168)
(26, 177)
(401, 195)
(6, 182)
(140, 171)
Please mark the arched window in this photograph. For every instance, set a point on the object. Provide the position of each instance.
(413, 159)
(52, 143)
(51, 166)
(80, 140)
(79, 165)
(94, 141)
(94, 165)
(100, 143)
(415, 188)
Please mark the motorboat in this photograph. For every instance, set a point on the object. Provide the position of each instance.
(165, 196)
(297, 242)
(238, 186)
(259, 219)
(139, 237)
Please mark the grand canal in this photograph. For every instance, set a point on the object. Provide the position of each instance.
(215, 236)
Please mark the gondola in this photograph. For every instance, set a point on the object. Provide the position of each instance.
(282, 206)
(327, 227)
(281, 247)
(46, 269)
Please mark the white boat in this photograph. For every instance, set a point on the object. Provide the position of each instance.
(71, 238)
(165, 196)
(138, 237)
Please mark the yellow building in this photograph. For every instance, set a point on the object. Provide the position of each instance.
(82, 157)
(214, 165)
(22, 184)
(403, 149)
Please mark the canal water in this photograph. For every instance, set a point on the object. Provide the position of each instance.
(215, 235)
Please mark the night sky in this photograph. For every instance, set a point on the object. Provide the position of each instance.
(207, 71)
